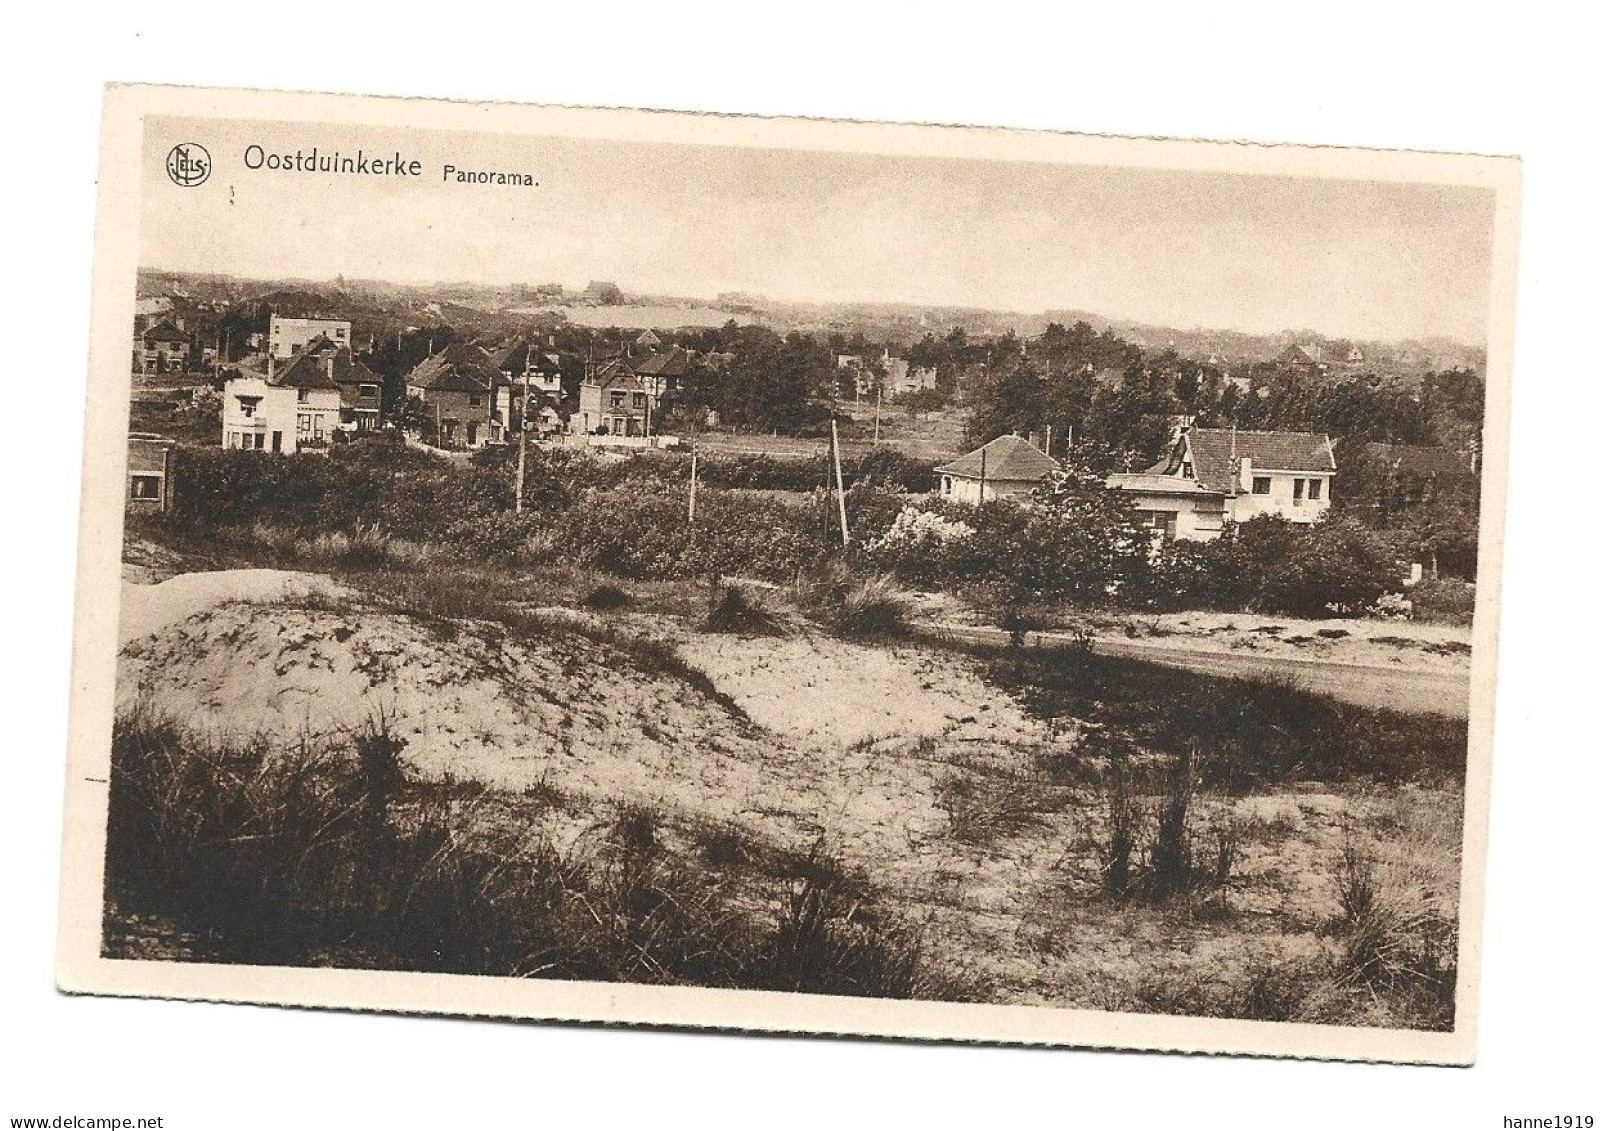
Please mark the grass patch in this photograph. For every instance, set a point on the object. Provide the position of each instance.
(1250, 734)
(304, 855)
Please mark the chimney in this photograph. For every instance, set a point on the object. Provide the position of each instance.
(1245, 482)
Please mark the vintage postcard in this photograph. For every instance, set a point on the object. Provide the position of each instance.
(786, 575)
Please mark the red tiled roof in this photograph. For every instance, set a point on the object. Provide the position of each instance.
(1006, 458)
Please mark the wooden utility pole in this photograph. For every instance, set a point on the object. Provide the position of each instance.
(982, 477)
(878, 394)
(1048, 441)
(840, 486)
(523, 440)
(692, 483)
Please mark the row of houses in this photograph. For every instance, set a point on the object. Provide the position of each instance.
(1210, 477)
(311, 385)
(891, 377)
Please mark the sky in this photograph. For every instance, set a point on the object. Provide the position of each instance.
(1259, 254)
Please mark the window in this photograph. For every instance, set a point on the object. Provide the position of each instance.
(1315, 487)
(367, 390)
(1296, 491)
(303, 395)
(247, 407)
(946, 484)
(303, 424)
(1186, 471)
(1260, 484)
(1163, 524)
(617, 398)
(144, 486)
(640, 400)
(339, 331)
(475, 400)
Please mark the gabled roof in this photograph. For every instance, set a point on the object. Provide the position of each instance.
(514, 355)
(617, 372)
(648, 341)
(1006, 458)
(308, 370)
(673, 363)
(510, 355)
(165, 332)
(1212, 451)
(459, 368)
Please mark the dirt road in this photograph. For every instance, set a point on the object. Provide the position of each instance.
(1368, 685)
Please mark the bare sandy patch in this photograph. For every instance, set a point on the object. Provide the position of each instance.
(823, 690)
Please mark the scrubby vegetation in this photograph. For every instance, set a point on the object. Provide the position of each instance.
(1247, 734)
(378, 504)
(266, 854)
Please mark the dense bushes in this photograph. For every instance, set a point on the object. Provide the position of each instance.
(882, 467)
(1270, 565)
(1446, 600)
(1077, 541)
(770, 518)
(375, 482)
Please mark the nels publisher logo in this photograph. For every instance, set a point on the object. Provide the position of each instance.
(189, 164)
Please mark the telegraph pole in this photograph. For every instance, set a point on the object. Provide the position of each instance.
(840, 487)
(523, 438)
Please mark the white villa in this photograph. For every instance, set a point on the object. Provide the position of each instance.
(1218, 475)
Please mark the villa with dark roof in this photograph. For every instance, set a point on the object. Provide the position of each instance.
(1217, 475)
(456, 386)
(1007, 467)
(293, 407)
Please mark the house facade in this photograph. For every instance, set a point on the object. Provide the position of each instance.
(292, 408)
(163, 348)
(150, 474)
(287, 337)
(457, 387)
(1217, 475)
(613, 401)
(1008, 467)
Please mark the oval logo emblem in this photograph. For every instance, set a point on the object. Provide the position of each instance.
(189, 164)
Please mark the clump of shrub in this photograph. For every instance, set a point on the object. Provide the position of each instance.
(1396, 945)
(604, 598)
(1270, 565)
(1445, 600)
(869, 608)
(741, 610)
(1157, 854)
(980, 811)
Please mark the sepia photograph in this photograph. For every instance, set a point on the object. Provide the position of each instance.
(796, 575)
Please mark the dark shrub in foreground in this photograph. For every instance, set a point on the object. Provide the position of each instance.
(1446, 600)
(317, 856)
